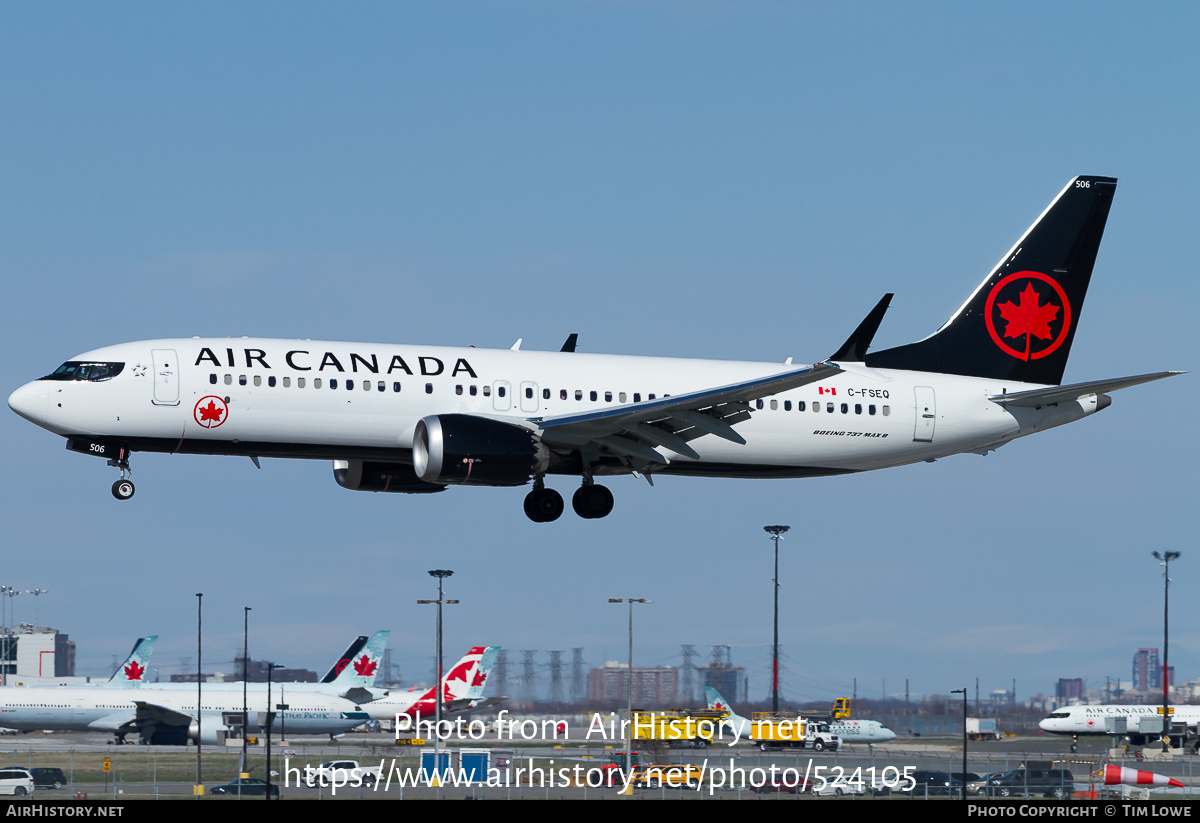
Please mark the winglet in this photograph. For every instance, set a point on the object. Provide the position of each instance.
(854, 350)
(569, 345)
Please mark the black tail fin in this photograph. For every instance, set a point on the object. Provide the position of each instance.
(1019, 323)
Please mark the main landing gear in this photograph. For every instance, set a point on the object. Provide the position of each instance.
(543, 505)
(123, 488)
(590, 501)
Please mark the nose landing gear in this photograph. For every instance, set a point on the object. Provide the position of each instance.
(123, 489)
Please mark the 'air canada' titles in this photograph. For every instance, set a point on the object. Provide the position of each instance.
(303, 360)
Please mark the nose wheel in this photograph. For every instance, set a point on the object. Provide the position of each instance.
(123, 489)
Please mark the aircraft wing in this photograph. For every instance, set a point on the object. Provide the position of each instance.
(634, 430)
(151, 714)
(1036, 398)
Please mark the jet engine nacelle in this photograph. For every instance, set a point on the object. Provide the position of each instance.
(212, 734)
(371, 476)
(461, 449)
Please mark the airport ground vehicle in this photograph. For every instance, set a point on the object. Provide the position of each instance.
(983, 728)
(45, 777)
(341, 773)
(16, 781)
(788, 730)
(246, 787)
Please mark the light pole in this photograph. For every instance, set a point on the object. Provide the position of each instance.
(629, 681)
(199, 788)
(963, 692)
(1165, 558)
(271, 667)
(36, 609)
(776, 532)
(441, 575)
(245, 686)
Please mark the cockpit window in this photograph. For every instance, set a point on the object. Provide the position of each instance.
(81, 370)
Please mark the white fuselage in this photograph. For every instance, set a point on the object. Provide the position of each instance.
(64, 708)
(861, 731)
(309, 399)
(1091, 719)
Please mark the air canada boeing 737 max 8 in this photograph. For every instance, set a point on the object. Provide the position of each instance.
(418, 419)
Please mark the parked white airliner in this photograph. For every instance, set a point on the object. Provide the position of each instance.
(418, 419)
(168, 717)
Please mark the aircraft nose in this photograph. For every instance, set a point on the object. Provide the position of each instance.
(30, 402)
(887, 734)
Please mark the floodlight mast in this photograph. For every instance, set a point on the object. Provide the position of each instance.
(776, 532)
(441, 575)
(1165, 558)
(629, 680)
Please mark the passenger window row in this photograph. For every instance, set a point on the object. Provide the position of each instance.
(830, 408)
(381, 385)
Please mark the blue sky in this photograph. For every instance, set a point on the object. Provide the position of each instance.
(731, 180)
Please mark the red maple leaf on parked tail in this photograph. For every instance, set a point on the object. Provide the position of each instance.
(133, 671)
(364, 666)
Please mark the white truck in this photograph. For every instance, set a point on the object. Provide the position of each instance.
(786, 730)
(983, 728)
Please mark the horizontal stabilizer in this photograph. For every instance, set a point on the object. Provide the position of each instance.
(854, 350)
(1061, 394)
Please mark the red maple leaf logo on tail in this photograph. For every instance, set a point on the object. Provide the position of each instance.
(133, 671)
(364, 666)
(1027, 317)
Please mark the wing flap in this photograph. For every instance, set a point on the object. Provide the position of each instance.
(153, 714)
(627, 429)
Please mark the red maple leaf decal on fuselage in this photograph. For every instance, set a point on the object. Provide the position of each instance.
(364, 666)
(133, 671)
(210, 412)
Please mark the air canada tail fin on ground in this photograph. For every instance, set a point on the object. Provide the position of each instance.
(1020, 321)
(132, 673)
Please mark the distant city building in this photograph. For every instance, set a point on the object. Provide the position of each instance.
(36, 653)
(1068, 689)
(728, 680)
(256, 672)
(653, 687)
(1146, 671)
